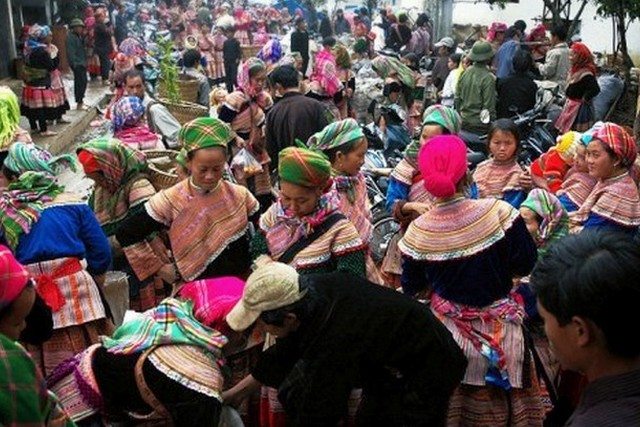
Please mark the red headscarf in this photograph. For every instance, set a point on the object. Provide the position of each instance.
(619, 140)
(442, 162)
(582, 59)
(88, 162)
(13, 277)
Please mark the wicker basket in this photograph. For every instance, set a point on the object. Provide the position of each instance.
(249, 51)
(160, 178)
(185, 111)
(187, 85)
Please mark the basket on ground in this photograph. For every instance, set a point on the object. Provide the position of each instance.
(162, 168)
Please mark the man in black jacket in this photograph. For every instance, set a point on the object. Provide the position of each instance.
(294, 116)
(337, 332)
(300, 42)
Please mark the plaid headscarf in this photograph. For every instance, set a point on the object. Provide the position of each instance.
(619, 140)
(171, 322)
(25, 157)
(555, 221)
(205, 132)
(304, 167)
(13, 277)
(496, 27)
(119, 164)
(127, 112)
(343, 58)
(387, 66)
(335, 135)
(582, 60)
(324, 72)
(23, 202)
(131, 47)
(446, 117)
(271, 52)
(251, 65)
(9, 116)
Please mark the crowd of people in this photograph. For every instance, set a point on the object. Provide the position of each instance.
(505, 298)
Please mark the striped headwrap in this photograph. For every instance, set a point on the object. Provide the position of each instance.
(555, 221)
(245, 69)
(335, 135)
(9, 116)
(172, 322)
(205, 132)
(23, 202)
(25, 157)
(13, 278)
(619, 140)
(446, 117)
(304, 167)
(387, 66)
(127, 112)
(271, 52)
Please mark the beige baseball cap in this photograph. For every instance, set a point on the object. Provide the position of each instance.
(273, 285)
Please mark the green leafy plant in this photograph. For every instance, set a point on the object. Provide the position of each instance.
(168, 72)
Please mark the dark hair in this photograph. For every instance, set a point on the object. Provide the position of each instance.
(456, 58)
(403, 18)
(299, 20)
(9, 174)
(412, 57)
(190, 58)
(329, 41)
(286, 76)
(520, 25)
(132, 74)
(339, 11)
(303, 309)
(594, 275)
(522, 61)
(422, 19)
(332, 153)
(511, 33)
(504, 125)
(560, 31)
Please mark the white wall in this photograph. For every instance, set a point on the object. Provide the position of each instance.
(596, 32)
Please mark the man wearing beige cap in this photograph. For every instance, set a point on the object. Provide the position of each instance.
(337, 332)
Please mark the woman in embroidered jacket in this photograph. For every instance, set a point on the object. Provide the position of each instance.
(345, 145)
(122, 188)
(465, 253)
(407, 197)
(244, 110)
(614, 202)
(167, 363)
(56, 236)
(308, 204)
(207, 217)
(577, 183)
(500, 176)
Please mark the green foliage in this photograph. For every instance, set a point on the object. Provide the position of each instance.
(168, 71)
(628, 8)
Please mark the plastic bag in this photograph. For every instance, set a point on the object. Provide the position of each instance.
(244, 164)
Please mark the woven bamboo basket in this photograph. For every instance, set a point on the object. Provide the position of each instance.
(159, 177)
(249, 51)
(185, 111)
(187, 85)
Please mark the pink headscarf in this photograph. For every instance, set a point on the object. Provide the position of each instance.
(213, 299)
(442, 162)
(538, 32)
(13, 277)
(496, 27)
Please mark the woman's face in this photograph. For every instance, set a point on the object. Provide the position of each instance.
(579, 160)
(428, 132)
(451, 65)
(503, 145)
(351, 162)
(300, 200)
(530, 220)
(15, 320)
(259, 79)
(600, 163)
(206, 167)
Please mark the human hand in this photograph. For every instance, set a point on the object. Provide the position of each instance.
(525, 181)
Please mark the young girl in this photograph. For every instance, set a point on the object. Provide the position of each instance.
(499, 177)
(577, 184)
(345, 145)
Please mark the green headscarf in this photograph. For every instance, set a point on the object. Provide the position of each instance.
(555, 221)
(9, 116)
(23, 202)
(24, 157)
(205, 132)
(387, 66)
(335, 135)
(304, 167)
(446, 117)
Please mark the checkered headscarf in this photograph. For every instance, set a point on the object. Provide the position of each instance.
(205, 132)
